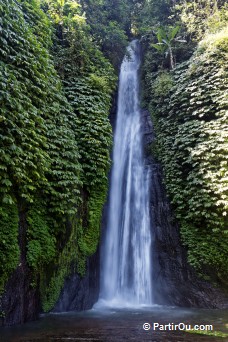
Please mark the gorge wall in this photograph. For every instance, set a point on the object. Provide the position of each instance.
(174, 280)
(57, 80)
(51, 107)
(81, 293)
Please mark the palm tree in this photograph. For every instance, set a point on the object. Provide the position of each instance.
(165, 42)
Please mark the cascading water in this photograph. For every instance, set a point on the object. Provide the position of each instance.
(126, 253)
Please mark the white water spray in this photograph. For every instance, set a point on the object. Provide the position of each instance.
(126, 254)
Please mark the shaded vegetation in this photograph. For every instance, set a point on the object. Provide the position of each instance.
(56, 89)
(189, 109)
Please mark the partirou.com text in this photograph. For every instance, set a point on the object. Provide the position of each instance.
(180, 326)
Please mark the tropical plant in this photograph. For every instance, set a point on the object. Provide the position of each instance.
(166, 37)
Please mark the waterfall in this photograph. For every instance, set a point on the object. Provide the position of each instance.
(126, 251)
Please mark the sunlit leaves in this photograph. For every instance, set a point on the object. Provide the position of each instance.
(38, 148)
(192, 144)
(93, 130)
(55, 139)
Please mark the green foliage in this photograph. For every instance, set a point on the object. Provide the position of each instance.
(114, 43)
(43, 125)
(88, 242)
(37, 21)
(191, 126)
(52, 279)
(45, 120)
(64, 12)
(41, 246)
(88, 87)
(162, 84)
(155, 13)
(23, 77)
(109, 21)
(203, 16)
(93, 130)
(63, 175)
(9, 249)
(35, 119)
(51, 291)
(220, 334)
(166, 38)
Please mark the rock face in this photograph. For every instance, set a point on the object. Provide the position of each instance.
(20, 301)
(174, 281)
(81, 293)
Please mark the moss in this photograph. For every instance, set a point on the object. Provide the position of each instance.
(50, 293)
(81, 244)
(9, 248)
(52, 277)
(208, 333)
(41, 243)
(90, 238)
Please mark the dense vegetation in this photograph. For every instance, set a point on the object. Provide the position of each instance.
(56, 89)
(187, 98)
(59, 61)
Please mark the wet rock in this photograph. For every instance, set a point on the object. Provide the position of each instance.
(174, 281)
(20, 301)
(80, 293)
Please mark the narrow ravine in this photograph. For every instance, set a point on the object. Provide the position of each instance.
(138, 212)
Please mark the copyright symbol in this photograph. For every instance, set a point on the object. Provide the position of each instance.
(146, 326)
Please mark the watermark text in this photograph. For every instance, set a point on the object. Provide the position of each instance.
(180, 326)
